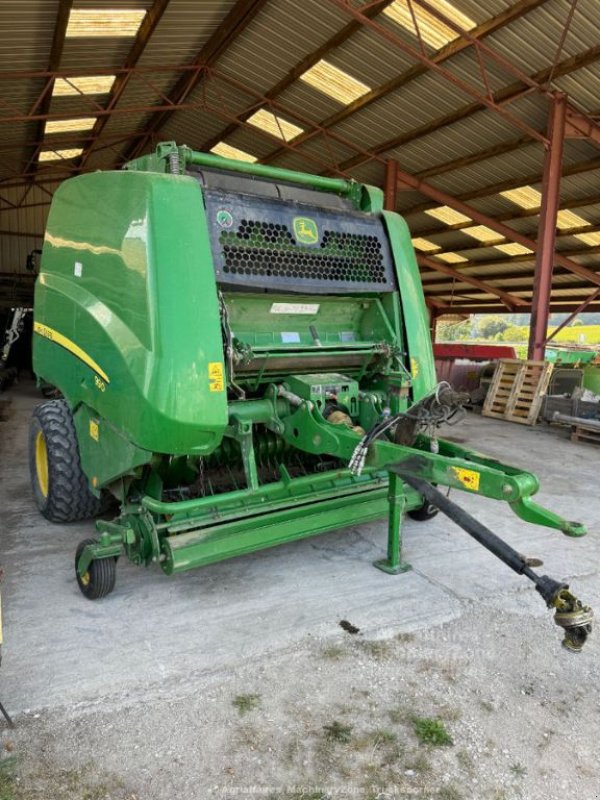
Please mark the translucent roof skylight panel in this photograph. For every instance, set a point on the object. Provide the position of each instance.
(569, 219)
(451, 258)
(513, 249)
(325, 77)
(275, 124)
(426, 246)
(525, 197)
(69, 125)
(432, 30)
(88, 84)
(228, 151)
(447, 215)
(482, 233)
(590, 239)
(65, 154)
(85, 23)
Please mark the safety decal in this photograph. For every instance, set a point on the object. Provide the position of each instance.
(468, 477)
(414, 367)
(94, 430)
(216, 376)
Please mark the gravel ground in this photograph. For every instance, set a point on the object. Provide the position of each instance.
(237, 680)
(338, 718)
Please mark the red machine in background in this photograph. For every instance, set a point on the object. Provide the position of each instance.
(468, 367)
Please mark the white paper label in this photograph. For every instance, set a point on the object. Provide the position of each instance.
(295, 308)
(78, 269)
(290, 337)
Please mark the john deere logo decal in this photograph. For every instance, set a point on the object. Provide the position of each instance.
(305, 230)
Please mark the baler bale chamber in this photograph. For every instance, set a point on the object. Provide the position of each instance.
(245, 360)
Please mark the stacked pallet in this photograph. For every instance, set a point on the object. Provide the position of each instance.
(517, 390)
(581, 433)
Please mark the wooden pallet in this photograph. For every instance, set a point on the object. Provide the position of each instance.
(517, 390)
(579, 433)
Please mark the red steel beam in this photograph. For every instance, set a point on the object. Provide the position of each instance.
(477, 216)
(471, 89)
(299, 69)
(579, 310)
(511, 301)
(494, 308)
(542, 281)
(508, 94)
(505, 17)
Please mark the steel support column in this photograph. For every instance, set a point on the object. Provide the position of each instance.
(544, 263)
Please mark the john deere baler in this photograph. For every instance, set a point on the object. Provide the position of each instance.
(245, 360)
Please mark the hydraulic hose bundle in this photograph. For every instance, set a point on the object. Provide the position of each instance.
(442, 405)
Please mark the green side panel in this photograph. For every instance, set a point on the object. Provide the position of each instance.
(127, 277)
(562, 355)
(591, 379)
(414, 310)
(105, 453)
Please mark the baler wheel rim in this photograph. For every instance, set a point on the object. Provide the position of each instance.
(41, 462)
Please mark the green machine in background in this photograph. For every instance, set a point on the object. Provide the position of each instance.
(245, 360)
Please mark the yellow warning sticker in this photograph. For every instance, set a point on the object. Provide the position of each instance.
(468, 477)
(216, 376)
(94, 430)
(414, 367)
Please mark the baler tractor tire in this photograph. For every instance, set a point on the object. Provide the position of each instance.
(60, 487)
(99, 580)
(426, 512)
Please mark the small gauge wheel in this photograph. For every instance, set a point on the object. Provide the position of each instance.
(99, 578)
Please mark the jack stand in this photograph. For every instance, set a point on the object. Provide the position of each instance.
(393, 564)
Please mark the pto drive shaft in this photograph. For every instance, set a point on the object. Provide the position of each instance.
(570, 614)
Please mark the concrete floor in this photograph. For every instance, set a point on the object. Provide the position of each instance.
(154, 631)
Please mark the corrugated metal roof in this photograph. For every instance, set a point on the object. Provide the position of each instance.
(270, 47)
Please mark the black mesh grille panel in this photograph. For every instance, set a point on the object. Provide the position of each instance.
(341, 251)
